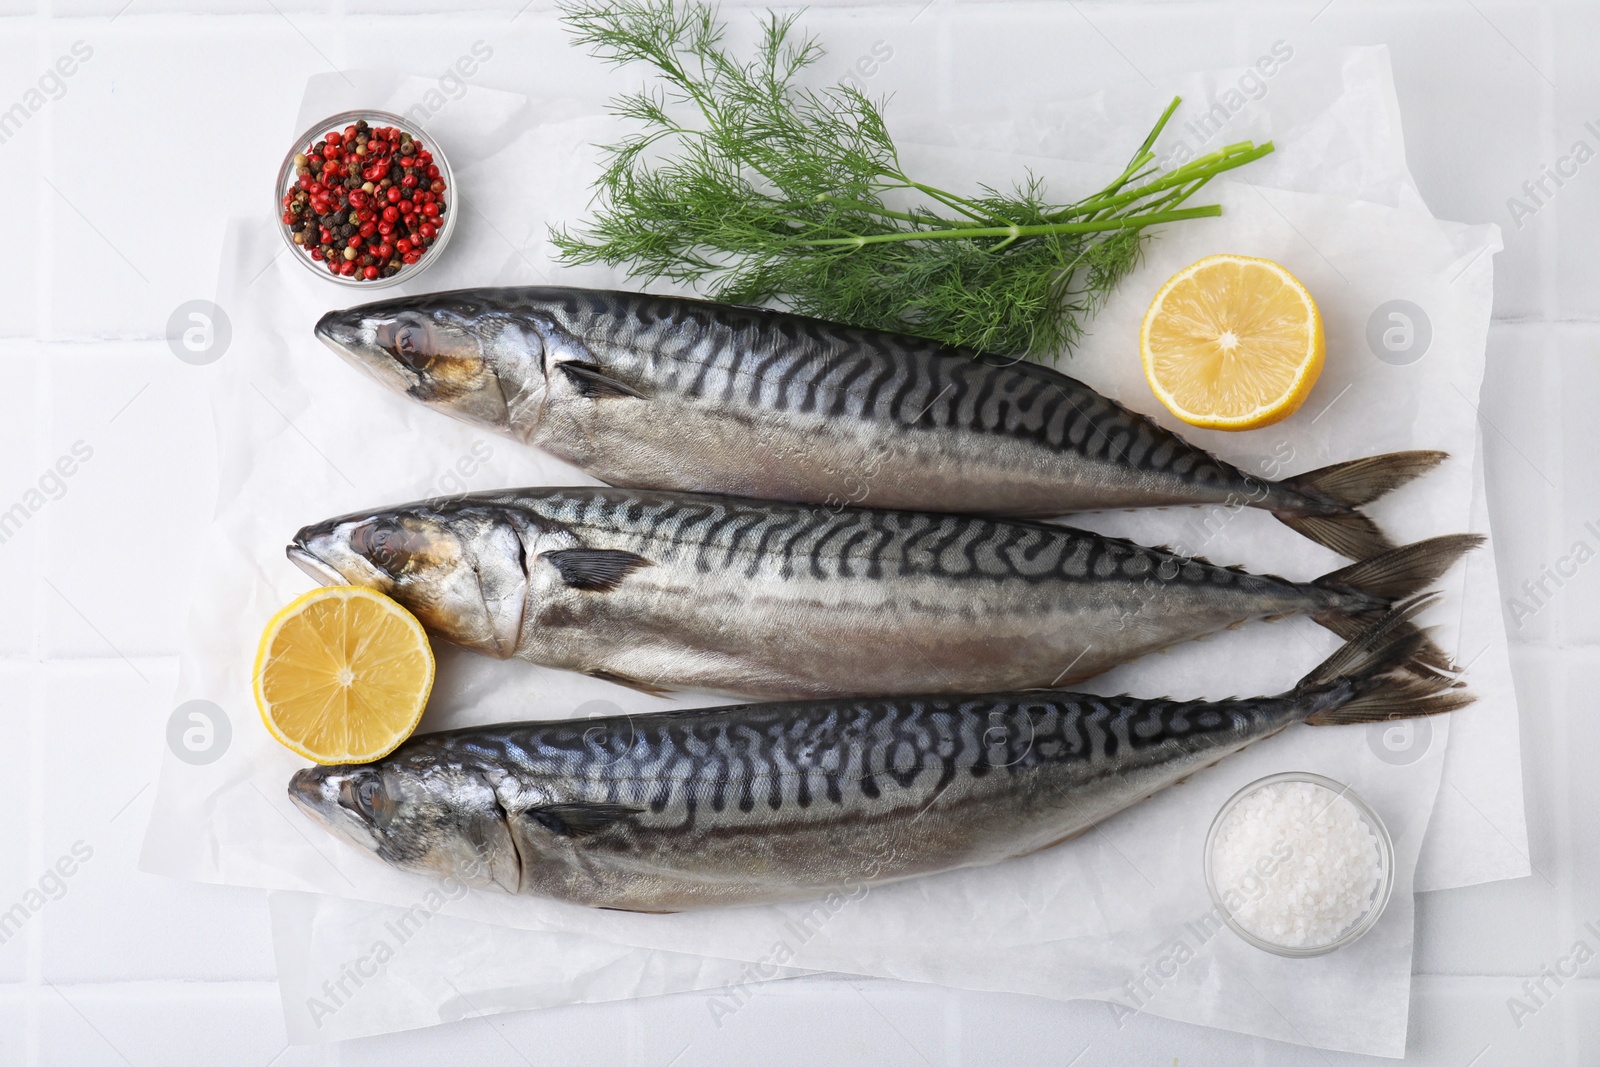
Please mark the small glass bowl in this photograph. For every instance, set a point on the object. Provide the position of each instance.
(287, 178)
(1380, 893)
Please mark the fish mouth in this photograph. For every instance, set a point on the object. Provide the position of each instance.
(342, 332)
(305, 789)
(302, 558)
(317, 797)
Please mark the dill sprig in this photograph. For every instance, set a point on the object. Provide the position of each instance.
(741, 181)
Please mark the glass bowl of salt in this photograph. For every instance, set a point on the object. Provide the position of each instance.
(1298, 865)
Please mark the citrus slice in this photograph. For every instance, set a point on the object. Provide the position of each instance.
(1232, 343)
(342, 675)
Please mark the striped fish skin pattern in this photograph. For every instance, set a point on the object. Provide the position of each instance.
(671, 393)
(752, 598)
(771, 802)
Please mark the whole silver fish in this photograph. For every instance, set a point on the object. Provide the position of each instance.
(770, 802)
(753, 598)
(667, 393)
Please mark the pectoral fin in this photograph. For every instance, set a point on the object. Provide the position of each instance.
(631, 683)
(579, 820)
(594, 382)
(597, 569)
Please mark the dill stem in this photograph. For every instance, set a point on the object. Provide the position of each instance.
(874, 209)
(1011, 233)
(1204, 169)
(949, 200)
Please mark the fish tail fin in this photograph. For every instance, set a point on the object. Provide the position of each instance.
(1335, 493)
(1380, 675)
(1390, 577)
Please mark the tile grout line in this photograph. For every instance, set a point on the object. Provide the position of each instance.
(33, 1042)
(1563, 835)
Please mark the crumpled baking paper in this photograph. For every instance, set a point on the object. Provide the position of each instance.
(303, 437)
(351, 968)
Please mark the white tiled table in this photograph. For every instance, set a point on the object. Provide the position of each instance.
(114, 198)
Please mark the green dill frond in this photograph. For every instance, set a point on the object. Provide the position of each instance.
(740, 181)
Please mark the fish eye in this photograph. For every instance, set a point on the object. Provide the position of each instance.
(383, 543)
(408, 341)
(367, 798)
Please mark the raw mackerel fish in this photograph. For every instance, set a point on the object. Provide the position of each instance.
(753, 598)
(667, 393)
(761, 803)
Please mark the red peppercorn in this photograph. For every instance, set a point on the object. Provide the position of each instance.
(377, 228)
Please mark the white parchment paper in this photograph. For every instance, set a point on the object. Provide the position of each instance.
(351, 968)
(304, 437)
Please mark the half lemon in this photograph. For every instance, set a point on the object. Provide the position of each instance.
(343, 674)
(1232, 343)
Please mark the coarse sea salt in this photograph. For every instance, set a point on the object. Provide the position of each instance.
(1296, 864)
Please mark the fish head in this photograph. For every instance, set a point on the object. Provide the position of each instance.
(463, 352)
(457, 568)
(418, 815)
